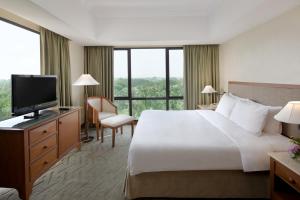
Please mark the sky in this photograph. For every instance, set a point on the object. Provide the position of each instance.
(20, 54)
(148, 63)
(19, 51)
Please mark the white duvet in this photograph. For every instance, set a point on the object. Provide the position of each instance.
(197, 140)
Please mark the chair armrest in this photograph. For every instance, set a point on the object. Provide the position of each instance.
(93, 115)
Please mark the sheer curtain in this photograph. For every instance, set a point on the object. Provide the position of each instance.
(201, 67)
(55, 60)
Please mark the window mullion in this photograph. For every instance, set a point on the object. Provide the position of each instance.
(129, 81)
(167, 79)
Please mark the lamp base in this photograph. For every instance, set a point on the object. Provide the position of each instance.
(87, 139)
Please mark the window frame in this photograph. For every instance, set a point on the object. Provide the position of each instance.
(167, 96)
(25, 27)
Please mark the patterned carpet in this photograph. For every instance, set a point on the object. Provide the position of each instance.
(96, 172)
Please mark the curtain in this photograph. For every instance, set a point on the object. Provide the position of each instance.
(98, 62)
(201, 67)
(55, 60)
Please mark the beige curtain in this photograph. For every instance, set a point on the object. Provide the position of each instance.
(98, 62)
(55, 60)
(201, 67)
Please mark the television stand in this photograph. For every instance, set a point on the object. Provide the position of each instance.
(29, 148)
(35, 115)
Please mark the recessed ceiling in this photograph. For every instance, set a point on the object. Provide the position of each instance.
(149, 22)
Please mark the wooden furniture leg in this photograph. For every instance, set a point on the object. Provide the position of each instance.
(97, 130)
(102, 130)
(113, 137)
(121, 129)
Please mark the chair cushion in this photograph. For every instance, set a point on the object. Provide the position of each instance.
(104, 115)
(117, 120)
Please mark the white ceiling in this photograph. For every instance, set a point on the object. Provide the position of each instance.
(149, 22)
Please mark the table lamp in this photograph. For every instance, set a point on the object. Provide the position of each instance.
(291, 114)
(208, 89)
(86, 80)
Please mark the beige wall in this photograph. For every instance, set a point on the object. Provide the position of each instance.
(76, 62)
(268, 53)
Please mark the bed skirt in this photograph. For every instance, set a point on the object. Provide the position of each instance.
(198, 184)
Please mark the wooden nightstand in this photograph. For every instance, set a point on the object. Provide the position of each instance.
(284, 177)
(207, 107)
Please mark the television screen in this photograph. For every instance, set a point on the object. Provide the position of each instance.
(32, 92)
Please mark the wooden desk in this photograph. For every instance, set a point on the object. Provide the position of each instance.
(29, 147)
(285, 177)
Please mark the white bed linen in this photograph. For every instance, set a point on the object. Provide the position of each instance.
(196, 140)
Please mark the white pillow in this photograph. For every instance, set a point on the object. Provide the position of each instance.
(250, 115)
(273, 126)
(226, 105)
(238, 98)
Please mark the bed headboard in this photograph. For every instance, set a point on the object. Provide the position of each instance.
(269, 94)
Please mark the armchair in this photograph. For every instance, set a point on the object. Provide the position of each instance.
(99, 108)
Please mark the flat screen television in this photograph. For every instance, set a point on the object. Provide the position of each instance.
(31, 93)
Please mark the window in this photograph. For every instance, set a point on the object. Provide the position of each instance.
(19, 54)
(148, 78)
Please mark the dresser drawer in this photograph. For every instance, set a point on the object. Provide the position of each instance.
(42, 132)
(42, 147)
(42, 164)
(287, 175)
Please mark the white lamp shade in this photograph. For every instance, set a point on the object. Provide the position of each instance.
(85, 79)
(208, 89)
(290, 113)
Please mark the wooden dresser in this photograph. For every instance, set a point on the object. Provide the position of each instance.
(29, 147)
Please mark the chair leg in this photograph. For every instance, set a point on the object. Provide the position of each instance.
(102, 130)
(113, 137)
(132, 128)
(97, 130)
(121, 130)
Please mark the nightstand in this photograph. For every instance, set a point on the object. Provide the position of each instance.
(208, 107)
(284, 177)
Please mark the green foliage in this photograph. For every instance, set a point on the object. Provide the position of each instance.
(5, 99)
(147, 87)
(141, 87)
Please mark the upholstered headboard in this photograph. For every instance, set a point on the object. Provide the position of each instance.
(269, 94)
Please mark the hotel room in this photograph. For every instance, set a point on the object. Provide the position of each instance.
(140, 99)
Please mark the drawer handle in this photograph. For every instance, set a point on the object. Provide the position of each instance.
(46, 162)
(45, 131)
(59, 122)
(45, 147)
(291, 180)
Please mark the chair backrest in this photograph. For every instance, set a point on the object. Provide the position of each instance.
(99, 104)
(95, 103)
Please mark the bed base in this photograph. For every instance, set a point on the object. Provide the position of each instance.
(198, 184)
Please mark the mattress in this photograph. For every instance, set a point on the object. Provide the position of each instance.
(197, 140)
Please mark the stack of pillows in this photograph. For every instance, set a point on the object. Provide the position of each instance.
(251, 116)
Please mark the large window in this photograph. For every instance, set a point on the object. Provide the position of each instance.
(148, 78)
(19, 54)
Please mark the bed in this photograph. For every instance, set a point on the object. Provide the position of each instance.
(202, 154)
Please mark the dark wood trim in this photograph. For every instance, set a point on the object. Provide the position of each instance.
(270, 85)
